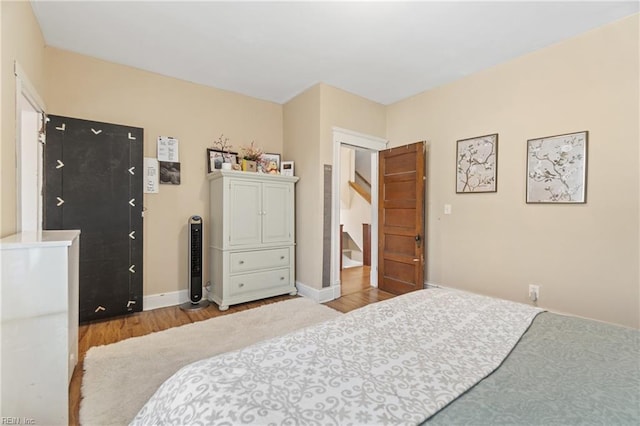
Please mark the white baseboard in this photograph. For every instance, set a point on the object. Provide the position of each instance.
(163, 300)
(322, 295)
(325, 294)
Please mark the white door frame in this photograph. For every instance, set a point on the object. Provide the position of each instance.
(29, 153)
(373, 144)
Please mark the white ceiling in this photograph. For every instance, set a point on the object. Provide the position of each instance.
(383, 51)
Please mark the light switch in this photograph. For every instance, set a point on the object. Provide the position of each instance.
(447, 209)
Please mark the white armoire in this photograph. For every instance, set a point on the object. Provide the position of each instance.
(252, 236)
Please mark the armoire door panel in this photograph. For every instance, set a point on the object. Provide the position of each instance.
(276, 224)
(246, 221)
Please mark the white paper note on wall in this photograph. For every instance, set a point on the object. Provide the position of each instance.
(168, 149)
(151, 175)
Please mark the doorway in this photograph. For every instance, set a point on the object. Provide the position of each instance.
(29, 153)
(400, 243)
(355, 218)
(370, 145)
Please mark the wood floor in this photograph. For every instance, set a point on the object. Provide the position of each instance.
(353, 280)
(356, 291)
(356, 294)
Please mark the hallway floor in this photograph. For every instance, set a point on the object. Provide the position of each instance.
(354, 279)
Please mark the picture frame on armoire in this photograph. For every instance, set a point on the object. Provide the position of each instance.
(215, 158)
(557, 169)
(286, 168)
(270, 163)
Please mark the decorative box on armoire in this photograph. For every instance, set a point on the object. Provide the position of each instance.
(252, 236)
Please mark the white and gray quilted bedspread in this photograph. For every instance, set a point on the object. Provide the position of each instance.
(392, 362)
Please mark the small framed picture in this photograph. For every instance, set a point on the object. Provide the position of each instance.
(286, 168)
(270, 163)
(215, 158)
(169, 173)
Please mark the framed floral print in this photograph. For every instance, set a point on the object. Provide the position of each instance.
(557, 169)
(477, 164)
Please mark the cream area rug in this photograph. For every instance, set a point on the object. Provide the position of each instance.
(120, 378)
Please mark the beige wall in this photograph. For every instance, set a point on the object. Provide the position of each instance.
(584, 257)
(348, 111)
(87, 88)
(308, 140)
(22, 41)
(301, 124)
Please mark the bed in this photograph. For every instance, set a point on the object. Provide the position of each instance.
(436, 356)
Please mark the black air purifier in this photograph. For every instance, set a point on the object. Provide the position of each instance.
(194, 264)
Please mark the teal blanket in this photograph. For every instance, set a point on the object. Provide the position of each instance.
(564, 371)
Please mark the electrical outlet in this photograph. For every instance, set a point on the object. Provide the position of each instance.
(534, 292)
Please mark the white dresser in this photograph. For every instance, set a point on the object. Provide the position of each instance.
(39, 293)
(252, 236)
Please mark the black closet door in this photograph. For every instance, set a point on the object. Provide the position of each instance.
(93, 182)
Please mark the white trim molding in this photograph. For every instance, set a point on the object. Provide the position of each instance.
(174, 298)
(164, 300)
(29, 108)
(322, 295)
(361, 140)
(27, 88)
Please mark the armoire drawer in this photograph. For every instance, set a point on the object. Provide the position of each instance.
(256, 260)
(258, 281)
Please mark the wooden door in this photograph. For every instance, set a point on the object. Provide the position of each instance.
(93, 182)
(401, 218)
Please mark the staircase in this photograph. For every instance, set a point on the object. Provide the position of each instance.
(351, 253)
(356, 210)
(362, 186)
